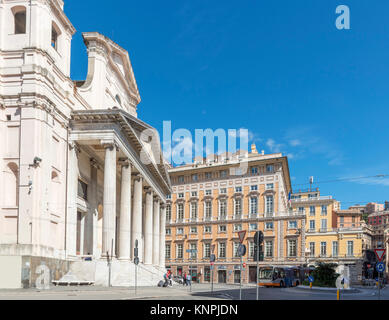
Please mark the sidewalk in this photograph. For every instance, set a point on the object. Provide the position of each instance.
(350, 290)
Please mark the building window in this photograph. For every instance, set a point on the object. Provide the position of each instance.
(238, 189)
(193, 211)
(180, 231)
(180, 251)
(268, 249)
(323, 210)
(180, 209)
(269, 206)
(168, 213)
(350, 248)
(335, 248)
(195, 178)
(253, 227)
(20, 19)
(270, 186)
(193, 253)
(208, 210)
(292, 248)
(269, 168)
(181, 179)
(312, 226)
(254, 171)
(168, 231)
(301, 210)
(223, 229)
(208, 192)
(222, 250)
(238, 207)
(194, 194)
(236, 246)
(223, 209)
(323, 249)
(208, 175)
(324, 225)
(251, 249)
(55, 33)
(253, 205)
(223, 191)
(82, 190)
(208, 229)
(223, 174)
(168, 251)
(269, 226)
(254, 188)
(293, 224)
(207, 250)
(312, 249)
(237, 227)
(181, 196)
(312, 210)
(193, 230)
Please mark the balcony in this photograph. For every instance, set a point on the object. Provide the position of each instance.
(207, 219)
(238, 217)
(222, 218)
(312, 199)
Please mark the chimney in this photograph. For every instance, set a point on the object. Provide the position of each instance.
(254, 149)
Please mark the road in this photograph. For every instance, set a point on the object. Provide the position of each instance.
(199, 292)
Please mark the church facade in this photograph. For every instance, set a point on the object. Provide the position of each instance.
(82, 179)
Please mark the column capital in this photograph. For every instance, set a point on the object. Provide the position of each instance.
(137, 177)
(163, 205)
(157, 199)
(125, 162)
(109, 144)
(148, 190)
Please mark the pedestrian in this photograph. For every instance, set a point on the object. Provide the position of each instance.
(188, 280)
(184, 280)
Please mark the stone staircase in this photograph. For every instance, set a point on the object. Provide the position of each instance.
(122, 274)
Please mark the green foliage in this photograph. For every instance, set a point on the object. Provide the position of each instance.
(325, 275)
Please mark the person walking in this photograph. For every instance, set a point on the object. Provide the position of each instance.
(188, 280)
(184, 280)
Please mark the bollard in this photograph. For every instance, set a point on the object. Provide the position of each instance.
(311, 285)
(338, 294)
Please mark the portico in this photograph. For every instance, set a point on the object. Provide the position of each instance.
(130, 183)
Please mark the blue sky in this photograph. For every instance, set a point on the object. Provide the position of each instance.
(280, 69)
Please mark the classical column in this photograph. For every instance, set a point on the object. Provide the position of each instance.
(109, 203)
(148, 248)
(125, 212)
(162, 234)
(137, 214)
(90, 244)
(156, 231)
(71, 221)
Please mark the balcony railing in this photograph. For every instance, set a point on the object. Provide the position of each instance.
(312, 199)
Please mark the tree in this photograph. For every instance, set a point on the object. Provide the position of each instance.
(325, 274)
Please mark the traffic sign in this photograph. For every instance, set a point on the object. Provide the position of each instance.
(242, 250)
(380, 254)
(242, 235)
(380, 267)
(311, 279)
(258, 238)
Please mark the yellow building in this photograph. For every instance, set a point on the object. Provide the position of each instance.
(212, 201)
(332, 235)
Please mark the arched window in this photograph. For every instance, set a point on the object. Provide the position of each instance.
(55, 33)
(19, 13)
